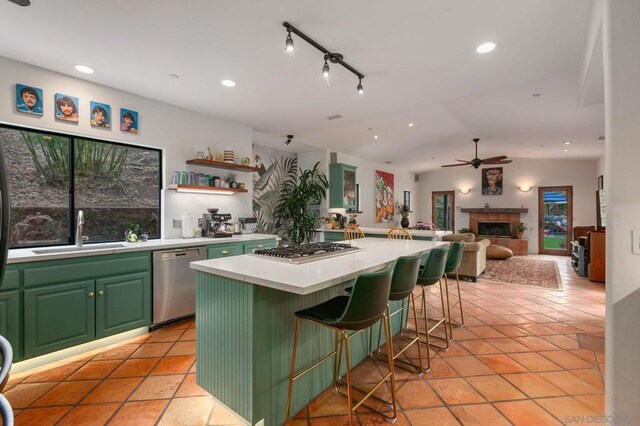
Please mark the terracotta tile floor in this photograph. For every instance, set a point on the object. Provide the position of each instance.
(518, 360)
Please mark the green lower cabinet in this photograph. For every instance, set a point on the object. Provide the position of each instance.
(10, 319)
(331, 237)
(58, 316)
(122, 303)
(224, 250)
(251, 247)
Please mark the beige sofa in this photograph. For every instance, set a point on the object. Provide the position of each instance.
(474, 259)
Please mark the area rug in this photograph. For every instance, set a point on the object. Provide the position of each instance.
(541, 273)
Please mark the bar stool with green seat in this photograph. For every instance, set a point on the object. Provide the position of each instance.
(454, 259)
(431, 275)
(363, 308)
(405, 275)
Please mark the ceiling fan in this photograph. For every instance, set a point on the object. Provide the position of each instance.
(477, 162)
(23, 3)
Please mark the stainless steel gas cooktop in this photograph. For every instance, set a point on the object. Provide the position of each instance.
(304, 253)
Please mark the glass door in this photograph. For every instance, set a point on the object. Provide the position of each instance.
(555, 213)
(443, 207)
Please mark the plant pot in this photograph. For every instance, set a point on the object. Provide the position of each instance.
(328, 226)
(404, 222)
(520, 235)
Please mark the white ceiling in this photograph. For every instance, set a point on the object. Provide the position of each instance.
(418, 57)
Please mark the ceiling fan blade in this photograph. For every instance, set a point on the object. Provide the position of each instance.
(463, 161)
(490, 159)
(23, 3)
(456, 165)
(497, 162)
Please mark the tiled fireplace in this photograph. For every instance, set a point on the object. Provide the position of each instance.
(497, 225)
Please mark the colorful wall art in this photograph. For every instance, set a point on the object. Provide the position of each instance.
(28, 99)
(492, 181)
(384, 197)
(100, 115)
(128, 120)
(66, 108)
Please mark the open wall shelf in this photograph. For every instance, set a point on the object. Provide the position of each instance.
(207, 189)
(222, 165)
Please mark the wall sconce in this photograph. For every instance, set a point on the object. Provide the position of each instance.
(524, 188)
(465, 191)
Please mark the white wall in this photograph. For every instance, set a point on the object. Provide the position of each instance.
(365, 177)
(581, 174)
(180, 133)
(621, 34)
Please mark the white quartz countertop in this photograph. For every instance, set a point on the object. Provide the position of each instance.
(28, 255)
(310, 277)
(383, 231)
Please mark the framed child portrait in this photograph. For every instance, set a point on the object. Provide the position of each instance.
(66, 108)
(128, 121)
(28, 99)
(100, 115)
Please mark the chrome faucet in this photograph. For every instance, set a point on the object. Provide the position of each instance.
(79, 223)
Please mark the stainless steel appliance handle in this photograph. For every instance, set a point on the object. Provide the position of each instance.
(4, 215)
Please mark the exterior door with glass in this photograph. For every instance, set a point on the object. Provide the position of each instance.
(555, 213)
(443, 208)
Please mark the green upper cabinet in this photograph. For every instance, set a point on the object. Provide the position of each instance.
(342, 190)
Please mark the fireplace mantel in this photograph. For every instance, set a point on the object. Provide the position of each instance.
(496, 210)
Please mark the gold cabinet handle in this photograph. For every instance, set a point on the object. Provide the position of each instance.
(225, 251)
(101, 293)
(260, 245)
(90, 294)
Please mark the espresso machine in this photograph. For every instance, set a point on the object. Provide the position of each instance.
(216, 225)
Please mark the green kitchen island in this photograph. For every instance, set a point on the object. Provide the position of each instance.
(245, 322)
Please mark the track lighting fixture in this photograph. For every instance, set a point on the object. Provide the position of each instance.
(325, 68)
(334, 58)
(288, 141)
(289, 43)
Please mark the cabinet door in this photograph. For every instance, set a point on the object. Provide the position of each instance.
(224, 250)
(330, 237)
(58, 316)
(122, 303)
(250, 247)
(10, 320)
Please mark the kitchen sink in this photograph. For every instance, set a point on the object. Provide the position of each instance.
(72, 249)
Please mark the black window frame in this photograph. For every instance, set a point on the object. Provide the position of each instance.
(71, 215)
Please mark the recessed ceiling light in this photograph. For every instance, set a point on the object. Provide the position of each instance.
(375, 137)
(565, 150)
(174, 76)
(85, 69)
(228, 83)
(567, 143)
(410, 124)
(486, 47)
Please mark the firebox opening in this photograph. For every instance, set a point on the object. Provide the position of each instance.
(494, 229)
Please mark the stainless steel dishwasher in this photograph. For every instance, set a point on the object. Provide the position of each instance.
(174, 283)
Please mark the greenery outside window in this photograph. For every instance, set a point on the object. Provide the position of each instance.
(52, 176)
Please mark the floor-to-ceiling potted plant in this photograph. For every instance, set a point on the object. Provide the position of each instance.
(295, 199)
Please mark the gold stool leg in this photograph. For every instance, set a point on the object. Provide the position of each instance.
(415, 320)
(336, 360)
(387, 332)
(460, 299)
(444, 293)
(426, 328)
(446, 286)
(293, 366)
(345, 342)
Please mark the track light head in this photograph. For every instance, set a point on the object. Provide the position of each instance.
(325, 69)
(289, 43)
(360, 88)
(288, 141)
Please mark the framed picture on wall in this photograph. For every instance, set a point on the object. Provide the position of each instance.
(128, 120)
(66, 108)
(100, 115)
(492, 181)
(28, 99)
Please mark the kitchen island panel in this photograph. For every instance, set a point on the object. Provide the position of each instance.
(244, 343)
